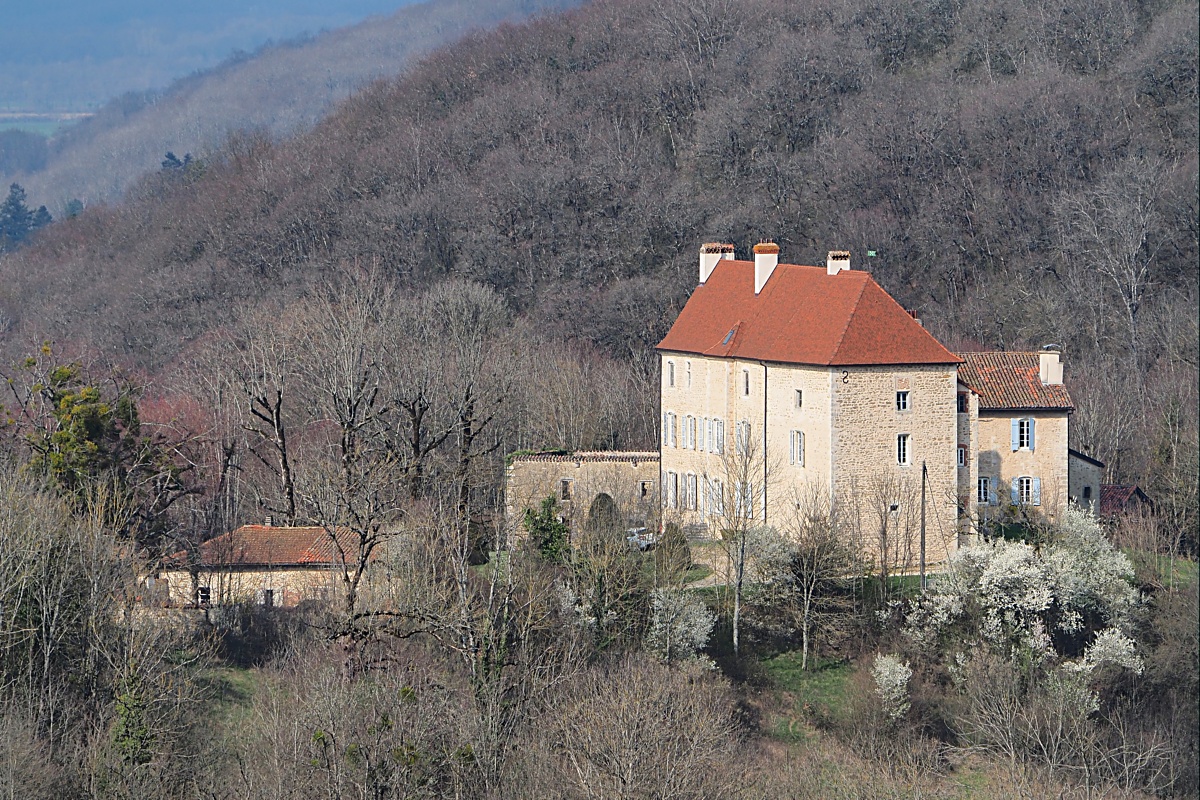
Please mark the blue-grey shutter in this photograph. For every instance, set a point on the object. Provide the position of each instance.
(1031, 430)
(1016, 492)
(1037, 491)
(1016, 434)
(991, 492)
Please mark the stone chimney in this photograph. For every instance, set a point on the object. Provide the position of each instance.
(1050, 369)
(766, 258)
(710, 254)
(837, 261)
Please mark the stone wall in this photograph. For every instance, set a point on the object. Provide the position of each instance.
(289, 585)
(878, 497)
(1084, 477)
(1047, 460)
(629, 478)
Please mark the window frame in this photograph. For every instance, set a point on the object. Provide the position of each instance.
(745, 383)
(902, 400)
(566, 489)
(984, 491)
(799, 398)
(718, 443)
(796, 448)
(742, 438)
(904, 449)
(670, 374)
(962, 455)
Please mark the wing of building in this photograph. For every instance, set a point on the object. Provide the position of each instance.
(788, 389)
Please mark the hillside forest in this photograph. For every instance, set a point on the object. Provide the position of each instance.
(354, 327)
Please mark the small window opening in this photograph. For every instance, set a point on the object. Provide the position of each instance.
(564, 489)
(902, 401)
(799, 399)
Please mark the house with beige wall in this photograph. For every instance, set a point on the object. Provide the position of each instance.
(788, 386)
(264, 564)
(1023, 430)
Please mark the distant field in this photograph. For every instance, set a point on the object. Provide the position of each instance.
(45, 124)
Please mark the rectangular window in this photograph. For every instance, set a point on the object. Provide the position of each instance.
(644, 487)
(743, 438)
(962, 455)
(670, 373)
(902, 401)
(718, 445)
(692, 432)
(986, 493)
(902, 450)
(716, 498)
(746, 382)
(203, 595)
(671, 429)
(672, 490)
(690, 493)
(796, 451)
(268, 598)
(962, 403)
(1023, 434)
(1027, 491)
(688, 368)
(564, 489)
(799, 399)
(705, 432)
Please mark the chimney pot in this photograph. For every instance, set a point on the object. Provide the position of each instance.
(836, 261)
(766, 258)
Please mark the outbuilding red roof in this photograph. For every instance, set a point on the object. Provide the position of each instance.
(803, 315)
(1012, 381)
(269, 546)
(1116, 499)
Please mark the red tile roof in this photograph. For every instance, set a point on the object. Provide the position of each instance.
(1116, 499)
(264, 545)
(1011, 381)
(803, 315)
(591, 456)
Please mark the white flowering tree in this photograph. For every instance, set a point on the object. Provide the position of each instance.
(1024, 632)
(680, 624)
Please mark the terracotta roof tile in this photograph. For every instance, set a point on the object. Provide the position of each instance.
(803, 315)
(1116, 499)
(263, 545)
(1011, 381)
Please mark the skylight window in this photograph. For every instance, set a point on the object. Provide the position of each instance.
(729, 335)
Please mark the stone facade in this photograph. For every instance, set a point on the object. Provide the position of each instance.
(1085, 475)
(815, 435)
(273, 586)
(1043, 464)
(630, 479)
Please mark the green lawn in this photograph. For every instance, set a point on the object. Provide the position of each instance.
(1183, 574)
(821, 691)
(231, 690)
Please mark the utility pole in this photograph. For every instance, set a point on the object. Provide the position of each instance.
(924, 474)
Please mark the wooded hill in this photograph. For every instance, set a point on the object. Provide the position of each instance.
(1023, 175)
(283, 88)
